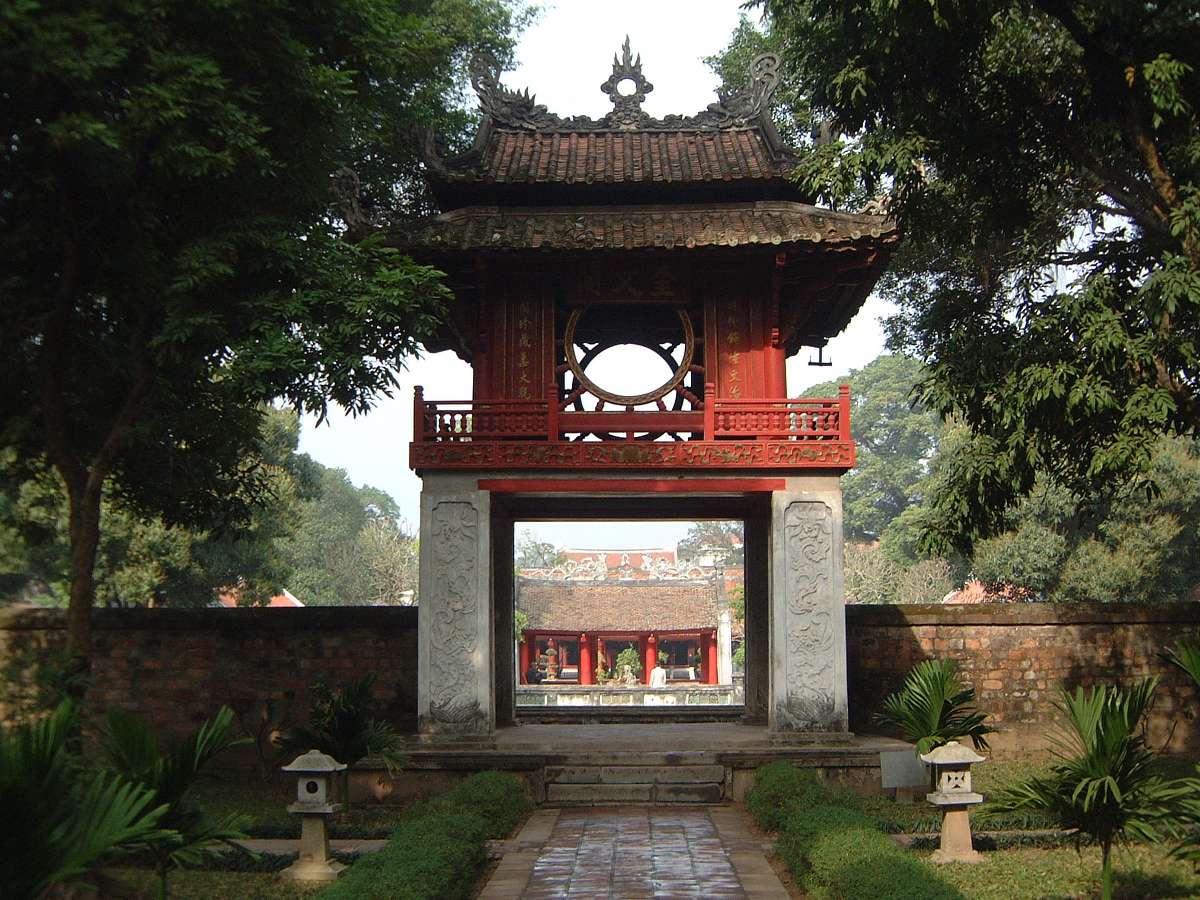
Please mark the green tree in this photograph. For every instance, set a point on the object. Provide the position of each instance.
(1043, 161)
(534, 554)
(896, 439)
(724, 539)
(350, 546)
(142, 560)
(1135, 546)
(184, 189)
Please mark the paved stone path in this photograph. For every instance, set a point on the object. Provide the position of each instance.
(630, 853)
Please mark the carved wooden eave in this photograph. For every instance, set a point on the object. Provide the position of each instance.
(828, 261)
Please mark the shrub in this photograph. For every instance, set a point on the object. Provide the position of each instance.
(437, 851)
(431, 856)
(780, 789)
(834, 849)
(801, 829)
(498, 798)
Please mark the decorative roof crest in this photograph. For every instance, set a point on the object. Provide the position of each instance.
(520, 109)
(627, 112)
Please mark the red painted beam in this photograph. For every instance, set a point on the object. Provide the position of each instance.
(631, 485)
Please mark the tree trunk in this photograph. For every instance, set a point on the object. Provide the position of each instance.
(1106, 880)
(84, 519)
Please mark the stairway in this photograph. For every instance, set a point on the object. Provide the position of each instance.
(606, 778)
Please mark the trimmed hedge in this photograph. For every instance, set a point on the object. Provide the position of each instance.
(437, 852)
(834, 850)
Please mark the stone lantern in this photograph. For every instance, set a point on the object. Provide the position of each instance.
(951, 764)
(314, 771)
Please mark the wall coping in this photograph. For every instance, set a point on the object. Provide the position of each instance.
(332, 618)
(328, 618)
(1008, 614)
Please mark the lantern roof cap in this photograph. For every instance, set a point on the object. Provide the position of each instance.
(314, 762)
(951, 753)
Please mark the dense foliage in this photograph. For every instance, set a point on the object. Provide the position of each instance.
(318, 535)
(186, 196)
(1043, 162)
(896, 440)
(60, 819)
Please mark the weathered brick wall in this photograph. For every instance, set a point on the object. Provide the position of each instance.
(176, 667)
(1020, 657)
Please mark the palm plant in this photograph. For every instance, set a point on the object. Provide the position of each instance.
(132, 749)
(60, 821)
(934, 708)
(1185, 656)
(1108, 784)
(340, 724)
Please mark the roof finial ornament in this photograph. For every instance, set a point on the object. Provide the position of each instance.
(743, 108)
(627, 87)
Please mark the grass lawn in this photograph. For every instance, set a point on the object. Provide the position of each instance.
(190, 885)
(266, 803)
(988, 778)
(1141, 873)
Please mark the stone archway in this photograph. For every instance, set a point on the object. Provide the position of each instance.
(795, 629)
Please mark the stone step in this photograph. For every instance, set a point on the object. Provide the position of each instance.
(632, 758)
(601, 794)
(635, 774)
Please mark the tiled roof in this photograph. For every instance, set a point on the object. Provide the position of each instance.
(637, 227)
(630, 606)
(624, 157)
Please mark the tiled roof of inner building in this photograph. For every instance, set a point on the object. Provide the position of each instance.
(624, 157)
(636, 227)
(556, 605)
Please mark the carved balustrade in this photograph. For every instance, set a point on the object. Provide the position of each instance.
(808, 419)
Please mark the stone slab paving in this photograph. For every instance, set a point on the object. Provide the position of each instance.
(635, 852)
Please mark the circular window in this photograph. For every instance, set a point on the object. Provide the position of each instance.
(684, 335)
(626, 87)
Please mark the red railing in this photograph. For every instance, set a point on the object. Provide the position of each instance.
(720, 419)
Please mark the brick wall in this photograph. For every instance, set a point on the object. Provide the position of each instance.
(176, 667)
(1019, 657)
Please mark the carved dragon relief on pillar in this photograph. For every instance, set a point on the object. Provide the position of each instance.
(809, 702)
(451, 603)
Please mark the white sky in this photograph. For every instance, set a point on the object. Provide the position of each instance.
(563, 59)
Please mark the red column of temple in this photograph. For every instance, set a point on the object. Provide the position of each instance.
(651, 655)
(643, 650)
(709, 646)
(526, 657)
(587, 668)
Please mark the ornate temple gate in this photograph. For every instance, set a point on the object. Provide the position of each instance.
(563, 238)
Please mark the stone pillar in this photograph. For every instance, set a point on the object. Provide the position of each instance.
(725, 648)
(455, 698)
(808, 626)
